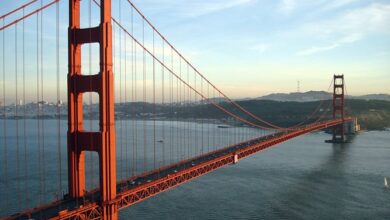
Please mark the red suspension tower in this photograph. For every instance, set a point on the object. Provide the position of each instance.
(80, 140)
(338, 108)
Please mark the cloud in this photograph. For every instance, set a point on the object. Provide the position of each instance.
(314, 50)
(287, 6)
(373, 18)
(337, 4)
(350, 38)
(345, 40)
(196, 8)
(349, 27)
(207, 7)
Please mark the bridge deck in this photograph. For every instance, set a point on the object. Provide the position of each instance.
(138, 188)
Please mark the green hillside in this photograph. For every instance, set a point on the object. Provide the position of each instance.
(371, 114)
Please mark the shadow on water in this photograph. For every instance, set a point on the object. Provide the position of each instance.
(320, 192)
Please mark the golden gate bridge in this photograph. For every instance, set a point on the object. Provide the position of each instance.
(133, 72)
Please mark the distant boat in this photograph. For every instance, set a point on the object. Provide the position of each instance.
(386, 183)
(223, 126)
(160, 141)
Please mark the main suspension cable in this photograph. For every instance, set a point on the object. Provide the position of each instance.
(17, 9)
(28, 15)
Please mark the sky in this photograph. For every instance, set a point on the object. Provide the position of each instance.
(256, 47)
(250, 48)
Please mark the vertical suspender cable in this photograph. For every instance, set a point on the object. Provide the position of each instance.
(135, 110)
(154, 108)
(193, 128)
(171, 105)
(17, 105)
(17, 117)
(183, 119)
(190, 142)
(26, 191)
(214, 125)
(58, 104)
(176, 108)
(215, 130)
(346, 109)
(188, 138)
(226, 133)
(222, 140)
(162, 102)
(120, 95)
(183, 127)
(144, 90)
(4, 128)
(42, 111)
(190, 122)
(38, 116)
(201, 125)
(235, 128)
(208, 122)
(218, 143)
(182, 113)
(179, 136)
(126, 118)
(196, 123)
(182, 123)
(231, 136)
(185, 115)
(133, 118)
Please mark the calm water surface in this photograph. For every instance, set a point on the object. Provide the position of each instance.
(304, 178)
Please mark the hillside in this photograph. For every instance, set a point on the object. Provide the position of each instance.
(371, 114)
(316, 96)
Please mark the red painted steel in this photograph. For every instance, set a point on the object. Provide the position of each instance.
(79, 140)
(338, 107)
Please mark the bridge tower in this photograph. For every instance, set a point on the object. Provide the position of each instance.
(338, 108)
(80, 140)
